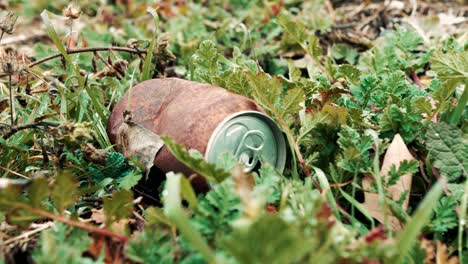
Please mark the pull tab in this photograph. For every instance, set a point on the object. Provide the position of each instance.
(247, 153)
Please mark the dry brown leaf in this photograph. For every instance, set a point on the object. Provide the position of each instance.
(396, 153)
(97, 216)
(429, 250)
(96, 246)
(138, 142)
(442, 256)
(244, 182)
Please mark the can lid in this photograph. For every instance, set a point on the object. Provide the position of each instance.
(252, 137)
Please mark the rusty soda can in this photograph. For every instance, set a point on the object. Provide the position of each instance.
(204, 117)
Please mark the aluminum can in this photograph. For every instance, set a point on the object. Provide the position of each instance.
(204, 117)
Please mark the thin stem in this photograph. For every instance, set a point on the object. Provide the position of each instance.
(353, 192)
(82, 50)
(417, 80)
(12, 107)
(59, 218)
(462, 222)
(71, 35)
(15, 129)
(15, 173)
(1, 36)
(457, 113)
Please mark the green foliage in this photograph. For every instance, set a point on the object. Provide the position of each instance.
(299, 32)
(65, 191)
(197, 164)
(39, 191)
(397, 50)
(408, 236)
(445, 217)
(63, 244)
(119, 206)
(405, 167)
(205, 62)
(451, 67)
(270, 239)
(344, 52)
(448, 150)
(355, 150)
(338, 104)
(216, 211)
(116, 169)
(153, 245)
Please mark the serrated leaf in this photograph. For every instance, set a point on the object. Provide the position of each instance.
(63, 244)
(298, 31)
(119, 206)
(65, 191)
(266, 90)
(130, 180)
(448, 149)
(268, 240)
(21, 217)
(9, 193)
(451, 68)
(293, 72)
(199, 165)
(155, 215)
(38, 191)
(153, 245)
(350, 73)
(205, 62)
(291, 102)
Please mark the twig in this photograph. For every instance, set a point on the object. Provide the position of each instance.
(344, 26)
(12, 108)
(59, 218)
(15, 129)
(15, 173)
(416, 79)
(25, 235)
(1, 36)
(82, 50)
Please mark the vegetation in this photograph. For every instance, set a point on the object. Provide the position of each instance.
(372, 99)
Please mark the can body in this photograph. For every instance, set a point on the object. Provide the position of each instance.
(190, 113)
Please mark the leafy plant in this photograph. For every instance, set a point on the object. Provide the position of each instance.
(340, 79)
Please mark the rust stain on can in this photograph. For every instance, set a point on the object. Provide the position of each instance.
(187, 111)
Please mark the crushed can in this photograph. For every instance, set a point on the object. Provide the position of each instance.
(204, 117)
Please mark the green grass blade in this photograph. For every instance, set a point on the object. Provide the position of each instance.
(173, 210)
(326, 188)
(99, 108)
(462, 221)
(146, 74)
(358, 206)
(409, 234)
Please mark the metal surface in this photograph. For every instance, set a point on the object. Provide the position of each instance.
(252, 137)
(189, 112)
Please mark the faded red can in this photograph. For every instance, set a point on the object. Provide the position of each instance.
(204, 117)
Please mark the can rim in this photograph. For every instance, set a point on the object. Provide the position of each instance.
(275, 129)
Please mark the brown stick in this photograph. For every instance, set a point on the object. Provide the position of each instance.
(417, 80)
(81, 50)
(15, 129)
(12, 107)
(59, 218)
